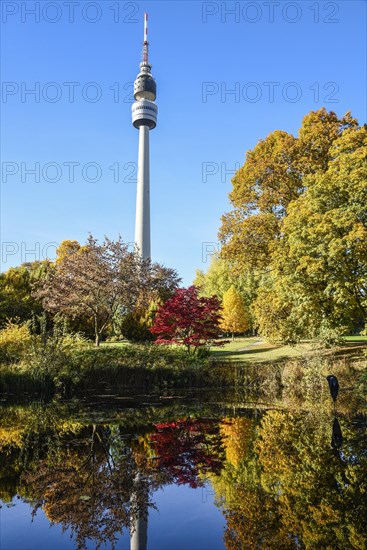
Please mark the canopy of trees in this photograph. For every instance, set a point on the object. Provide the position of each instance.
(299, 226)
(16, 300)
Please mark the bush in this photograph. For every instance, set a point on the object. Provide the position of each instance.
(147, 356)
(203, 352)
(54, 356)
(134, 329)
(50, 355)
(14, 341)
(330, 337)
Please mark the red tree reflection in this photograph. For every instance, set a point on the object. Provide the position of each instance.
(186, 448)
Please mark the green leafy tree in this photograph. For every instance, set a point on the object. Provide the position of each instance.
(222, 274)
(325, 234)
(16, 299)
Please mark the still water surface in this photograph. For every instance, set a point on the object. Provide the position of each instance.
(173, 473)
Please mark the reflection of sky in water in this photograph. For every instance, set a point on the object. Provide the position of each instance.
(186, 519)
(18, 532)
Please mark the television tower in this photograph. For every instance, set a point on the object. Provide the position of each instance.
(144, 115)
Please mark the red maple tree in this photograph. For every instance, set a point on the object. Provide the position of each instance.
(188, 320)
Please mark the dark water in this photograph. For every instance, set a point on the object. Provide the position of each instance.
(179, 474)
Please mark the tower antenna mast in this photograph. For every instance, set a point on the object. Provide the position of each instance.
(145, 43)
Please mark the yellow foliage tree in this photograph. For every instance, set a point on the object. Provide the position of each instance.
(235, 317)
(66, 248)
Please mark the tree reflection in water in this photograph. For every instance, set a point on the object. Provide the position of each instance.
(293, 490)
(277, 479)
(97, 480)
(89, 486)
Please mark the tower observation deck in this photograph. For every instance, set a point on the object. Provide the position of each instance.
(144, 118)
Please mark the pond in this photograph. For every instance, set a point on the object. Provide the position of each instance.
(179, 473)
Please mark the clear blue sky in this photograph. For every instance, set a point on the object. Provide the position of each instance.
(312, 53)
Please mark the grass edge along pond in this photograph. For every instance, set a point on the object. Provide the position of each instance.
(69, 367)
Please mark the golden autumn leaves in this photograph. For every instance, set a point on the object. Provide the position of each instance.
(299, 224)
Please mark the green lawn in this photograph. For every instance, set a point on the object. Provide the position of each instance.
(256, 349)
(355, 338)
(115, 344)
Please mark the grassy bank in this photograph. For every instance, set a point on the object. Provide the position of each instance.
(80, 368)
(258, 350)
(70, 365)
(113, 370)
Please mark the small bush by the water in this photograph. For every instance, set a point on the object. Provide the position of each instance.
(46, 358)
(54, 356)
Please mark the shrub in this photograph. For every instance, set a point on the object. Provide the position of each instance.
(135, 329)
(330, 337)
(114, 339)
(14, 341)
(51, 354)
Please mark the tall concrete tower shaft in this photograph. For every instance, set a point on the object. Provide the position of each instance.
(144, 115)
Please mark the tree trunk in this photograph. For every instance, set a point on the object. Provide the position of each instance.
(96, 331)
(232, 336)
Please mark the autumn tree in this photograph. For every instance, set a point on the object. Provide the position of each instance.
(299, 217)
(100, 280)
(272, 176)
(188, 320)
(319, 267)
(281, 315)
(324, 249)
(66, 248)
(222, 274)
(234, 315)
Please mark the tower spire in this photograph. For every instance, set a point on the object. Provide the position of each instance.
(145, 43)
